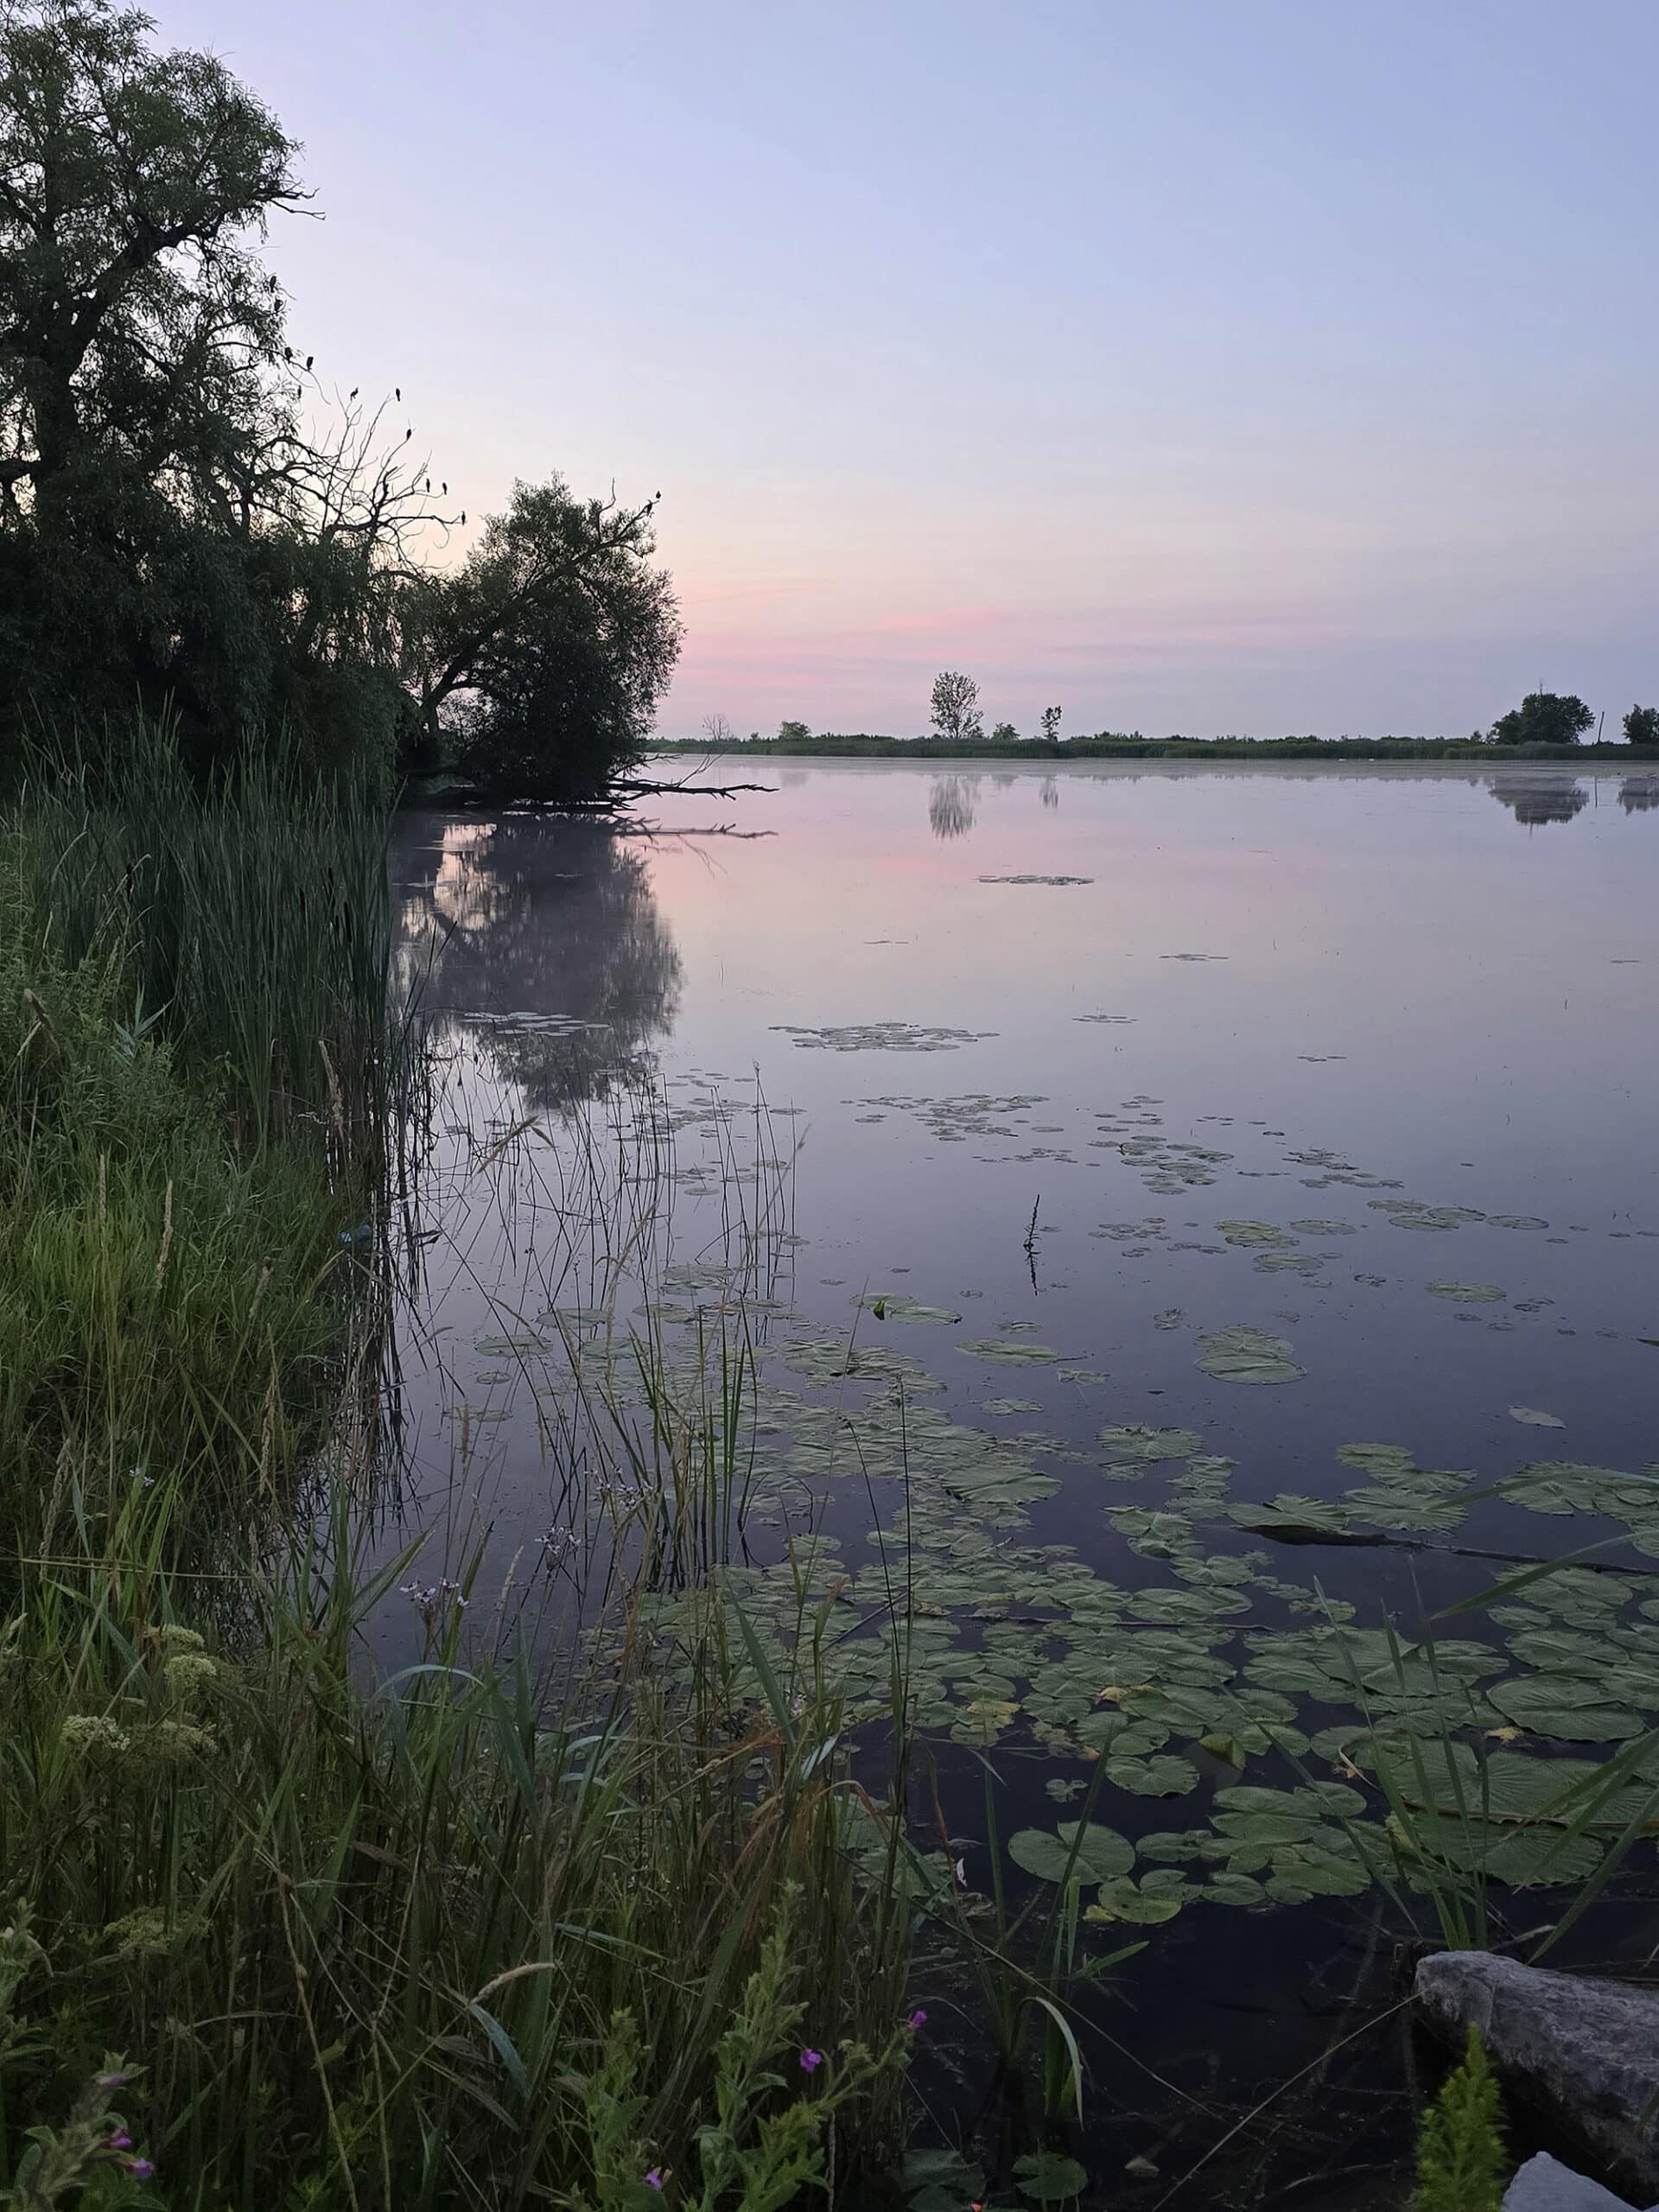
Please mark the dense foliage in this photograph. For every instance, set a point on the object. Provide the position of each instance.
(188, 520)
(1544, 718)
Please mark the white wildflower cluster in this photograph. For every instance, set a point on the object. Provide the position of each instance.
(140, 1935)
(95, 1736)
(187, 1672)
(174, 1741)
(557, 1545)
(430, 1598)
(626, 1498)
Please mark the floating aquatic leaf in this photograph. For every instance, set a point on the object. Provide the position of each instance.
(1134, 1441)
(1379, 1460)
(1147, 1904)
(1530, 1417)
(521, 1340)
(1241, 1354)
(1566, 1706)
(1228, 1888)
(1055, 879)
(1325, 1227)
(1102, 1855)
(1166, 1776)
(1407, 1213)
(1048, 2179)
(941, 2181)
(893, 1306)
(1246, 1233)
(1011, 1355)
(1467, 1293)
(882, 1037)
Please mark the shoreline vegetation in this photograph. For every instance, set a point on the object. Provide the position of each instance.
(500, 1928)
(1111, 744)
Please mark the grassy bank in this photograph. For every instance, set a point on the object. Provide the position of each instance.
(272, 1927)
(1108, 745)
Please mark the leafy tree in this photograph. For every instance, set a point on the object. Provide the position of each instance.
(1005, 733)
(956, 712)
(1642, 726)
(1051, 725)
(188, 523)
(793, 733)
(1544, 718)
(538, 666)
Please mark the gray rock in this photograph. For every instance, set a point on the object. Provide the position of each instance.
(1587, 2050)
(1544, 2184)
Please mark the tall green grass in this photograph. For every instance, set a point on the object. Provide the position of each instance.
(167, 1299)
(476, 1932)
(250, 922)
(404, 1942)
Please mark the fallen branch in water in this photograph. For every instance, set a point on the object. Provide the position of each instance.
(657, 830)
(631, 790)
(1301, 1532)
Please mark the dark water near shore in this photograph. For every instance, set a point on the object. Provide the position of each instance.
(1332, 1095)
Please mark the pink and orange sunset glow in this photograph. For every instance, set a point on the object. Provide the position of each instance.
(1202, 368)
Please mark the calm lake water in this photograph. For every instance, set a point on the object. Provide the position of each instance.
(1331, 1097)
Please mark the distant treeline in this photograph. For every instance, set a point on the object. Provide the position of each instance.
(1117, 745)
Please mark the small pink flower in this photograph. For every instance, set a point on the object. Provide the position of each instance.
(917, 2018)
(811, 2061)
(121, 2140)
(140, 2169)
(654, 2179)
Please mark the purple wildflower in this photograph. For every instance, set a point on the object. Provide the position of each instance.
(654, 2179)
(917, 2018)
(112, 2081)
(811, 2061)
(121, 2140)
(140, 2169)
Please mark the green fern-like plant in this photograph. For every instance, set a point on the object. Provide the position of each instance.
(1461, 2161)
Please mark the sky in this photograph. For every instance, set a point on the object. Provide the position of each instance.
(1198, 367)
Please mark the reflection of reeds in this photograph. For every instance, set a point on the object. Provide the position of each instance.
(510, 1924)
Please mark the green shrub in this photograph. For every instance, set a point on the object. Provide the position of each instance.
(1461, 2165)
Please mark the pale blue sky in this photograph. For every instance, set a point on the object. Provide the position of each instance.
(1204, 366)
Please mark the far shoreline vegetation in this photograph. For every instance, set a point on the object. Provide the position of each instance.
(1112, 745)
(1546, 726)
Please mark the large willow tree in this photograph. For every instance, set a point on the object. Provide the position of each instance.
(190, 524)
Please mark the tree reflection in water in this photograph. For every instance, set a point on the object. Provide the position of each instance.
(543, 936)
(1535, 800)
(951, 805)
(1639, 794)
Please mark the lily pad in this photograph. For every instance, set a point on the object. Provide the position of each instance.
(1048, 2179)
(1566, 1706)
(1467, 1293)
(1102, 1854)
(1146, 1903)
(1014, 1354)
(1529, 1417)
(1136, 1442)
(893, 1306)
(1241, 1354)
(1165, 1775)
